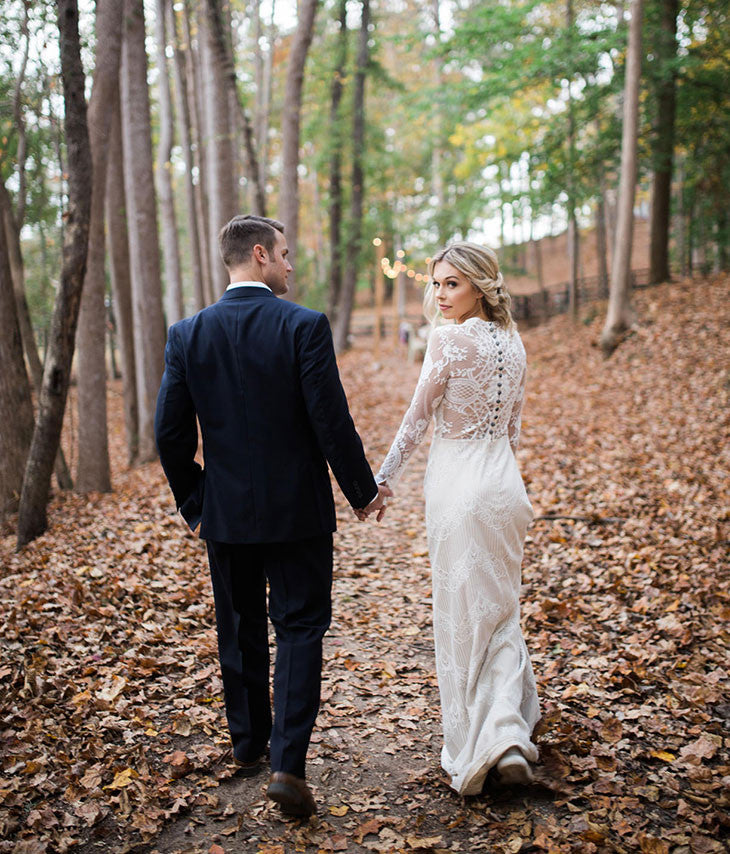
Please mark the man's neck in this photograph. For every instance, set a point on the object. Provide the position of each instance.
(245, 274)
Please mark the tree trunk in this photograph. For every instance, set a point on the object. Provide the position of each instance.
(184, 129)
(217, 121)
(32, 519)
(290, 122)
(149, 325)
(170, 248)
(16, 408)
(20, 156)
(30, 348)
(347, 294)
(93, 471)
(194, 85)
(601, 246)
(573, 236)
(618, 318)
(220, 33)
(118, 248)
(665, 52)
(335, 189)
(264, 105)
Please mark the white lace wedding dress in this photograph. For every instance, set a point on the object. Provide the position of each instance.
(477, 513)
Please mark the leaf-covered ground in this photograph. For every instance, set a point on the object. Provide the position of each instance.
(112, 733)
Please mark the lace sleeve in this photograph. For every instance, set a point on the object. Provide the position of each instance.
(515, 418)
(426, 397)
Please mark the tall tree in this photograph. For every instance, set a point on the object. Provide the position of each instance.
(119, 267)
(665, 53)
(290, 127)
(93, 472)
(139, 186)
(335, 176)
(170, 248)
(347, 294)
(16, 409)
(181, 58)
(32, 516)
(619, 315)
(217, 123)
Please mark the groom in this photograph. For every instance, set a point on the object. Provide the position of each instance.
(259, 373)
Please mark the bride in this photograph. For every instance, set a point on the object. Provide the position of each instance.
(477, 513)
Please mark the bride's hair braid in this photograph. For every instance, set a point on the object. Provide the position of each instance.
(480, 265)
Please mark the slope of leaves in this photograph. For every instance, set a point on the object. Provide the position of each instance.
(113, 735)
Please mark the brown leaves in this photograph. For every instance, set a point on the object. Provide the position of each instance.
(111, 696)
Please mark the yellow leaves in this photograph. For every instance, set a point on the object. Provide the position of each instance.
(340, 810)
(662, 755)
(122, 779)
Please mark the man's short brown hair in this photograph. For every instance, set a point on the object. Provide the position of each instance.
(238, 237)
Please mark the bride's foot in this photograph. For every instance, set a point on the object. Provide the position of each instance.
(513, 767)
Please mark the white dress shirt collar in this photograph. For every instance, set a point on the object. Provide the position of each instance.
(247, 285)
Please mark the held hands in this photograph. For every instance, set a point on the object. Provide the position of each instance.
(377, 505)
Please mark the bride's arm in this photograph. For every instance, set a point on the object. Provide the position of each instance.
(428, 394)
(515, 419)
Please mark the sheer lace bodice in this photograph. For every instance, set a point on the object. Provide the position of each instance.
(472, 381)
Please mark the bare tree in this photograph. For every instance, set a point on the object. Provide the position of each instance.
(194, 82)
(16, 408)
(32, 517)
(290, 125)
(217, 125)
(220, 33)
(347, 294)
(619, 315)
(665, 51)
(93, 471)
(170, 248)
(185, 131)
(118, 250)
(149, 325)
(335, 177)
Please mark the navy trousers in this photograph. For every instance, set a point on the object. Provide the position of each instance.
(300, 584)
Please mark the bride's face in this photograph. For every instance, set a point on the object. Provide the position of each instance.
(456, 297)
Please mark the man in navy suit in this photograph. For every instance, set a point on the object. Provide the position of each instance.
(260, 376)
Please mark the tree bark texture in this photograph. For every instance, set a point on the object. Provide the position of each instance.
(32, 517)
(290, 127)
(218, 124)
(118, 248)
(619, 318)
(170, 249)
(93, 471)
(182, 108)
(347, 294)
(139, 187)
(220, 33)
(665, 51)
(194, 82)
(335, 193)
(16, 407)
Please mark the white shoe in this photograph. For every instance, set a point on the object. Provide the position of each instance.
(513, 767)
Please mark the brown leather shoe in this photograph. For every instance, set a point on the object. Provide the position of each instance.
(292, 794)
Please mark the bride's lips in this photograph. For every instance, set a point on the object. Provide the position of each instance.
(442, 307)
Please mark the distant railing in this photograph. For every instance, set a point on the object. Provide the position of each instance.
(555, 299)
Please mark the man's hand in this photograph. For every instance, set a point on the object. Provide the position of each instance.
(377, 505)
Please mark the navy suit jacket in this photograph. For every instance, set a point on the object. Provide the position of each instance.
(261, 377)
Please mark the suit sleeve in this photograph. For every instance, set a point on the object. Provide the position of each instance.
(176, 434)
(330, 416)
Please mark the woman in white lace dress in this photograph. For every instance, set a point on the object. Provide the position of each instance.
(477, 513)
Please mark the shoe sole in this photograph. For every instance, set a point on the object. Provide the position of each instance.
(289, 800)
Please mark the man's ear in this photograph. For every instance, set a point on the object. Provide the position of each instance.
(260, 253)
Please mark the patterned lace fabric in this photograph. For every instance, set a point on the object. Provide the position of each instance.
(472, 381)
(477, 513)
